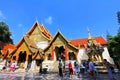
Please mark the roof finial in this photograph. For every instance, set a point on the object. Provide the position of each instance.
(23, 34)
(42, 23)
(89, 35)
(88, 31)
(36, 20)
(58, 28)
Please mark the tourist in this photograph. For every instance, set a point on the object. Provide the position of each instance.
(91, 69)
(12, 67)
(82, 68)
(60, 68)
(28, 66)
(116, 70)
(77, 69)
(85, 64)
(108, 67)
(70, 66)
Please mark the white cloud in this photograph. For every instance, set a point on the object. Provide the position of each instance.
(20, 25)
(49, 20)
(2, 15)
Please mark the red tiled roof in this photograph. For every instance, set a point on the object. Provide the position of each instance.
(7, 47)
(81, 42)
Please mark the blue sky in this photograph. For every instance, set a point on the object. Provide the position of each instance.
(71, 17)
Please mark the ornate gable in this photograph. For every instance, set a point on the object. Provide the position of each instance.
(25, 44)
(60, 40)
(39, 33)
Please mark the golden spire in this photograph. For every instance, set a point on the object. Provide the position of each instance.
(89, 35)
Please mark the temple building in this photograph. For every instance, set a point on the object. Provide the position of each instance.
(39, 45)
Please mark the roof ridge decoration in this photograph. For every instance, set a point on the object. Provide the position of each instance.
(17, 45)
(24, 38)
(31, 45)
(43, 30)
(29, 42)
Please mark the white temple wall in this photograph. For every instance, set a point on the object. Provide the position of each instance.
(42, 44)
(82, 55)
(106, 55)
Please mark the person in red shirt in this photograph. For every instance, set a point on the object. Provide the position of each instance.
(70, 66)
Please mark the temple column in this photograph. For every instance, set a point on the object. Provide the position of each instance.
(16, 59)
(76, 55)
(45, 57)
(66, 52)
(52, 57)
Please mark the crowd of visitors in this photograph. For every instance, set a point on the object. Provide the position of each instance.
(9, 66)
(87, 67)
(76, 68)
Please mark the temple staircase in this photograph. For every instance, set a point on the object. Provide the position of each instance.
(100, 68)
(55, 66)
(52, 66)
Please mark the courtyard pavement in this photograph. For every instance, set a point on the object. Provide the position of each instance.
(49, 76)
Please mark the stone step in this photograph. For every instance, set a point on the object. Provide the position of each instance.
(55, 68)
(101, 69)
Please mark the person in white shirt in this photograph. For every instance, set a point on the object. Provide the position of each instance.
(77, 69)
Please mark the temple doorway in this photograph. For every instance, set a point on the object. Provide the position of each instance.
(22, 57)
(59, 52)
(72, 56)
(30, 58)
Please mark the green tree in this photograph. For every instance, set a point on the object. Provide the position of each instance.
(5, 33)
(114, 44)
(114, 47)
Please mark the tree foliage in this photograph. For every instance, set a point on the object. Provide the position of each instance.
(5, 33)
(114, 47)
(114, 44)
